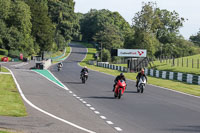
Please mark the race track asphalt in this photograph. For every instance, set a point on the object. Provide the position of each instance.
(157, 110)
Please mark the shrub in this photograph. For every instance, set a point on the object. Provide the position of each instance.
(4, 52)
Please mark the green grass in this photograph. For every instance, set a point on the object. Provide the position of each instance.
(66, 54)
(11, 102)
(171, 84)
(3, 69)
(2, 130)
(180, 65)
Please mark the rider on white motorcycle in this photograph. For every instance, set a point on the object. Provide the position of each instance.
(141, 73)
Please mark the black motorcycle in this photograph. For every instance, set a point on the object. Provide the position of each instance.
(84, 76)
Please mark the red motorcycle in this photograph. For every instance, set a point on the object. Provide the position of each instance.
(119, 88)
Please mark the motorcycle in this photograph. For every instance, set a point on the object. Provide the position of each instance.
(59, 68)
(141, 84)
(84, 76)
(119, 88)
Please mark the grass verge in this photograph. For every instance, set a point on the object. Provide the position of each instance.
(11, 102)
(66, 54)
(171, 84)
(183, 65)
(3, 69)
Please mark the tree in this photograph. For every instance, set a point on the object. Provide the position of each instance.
(110, 37)
(42, 28)
(95, 21)
(195, 39)
(66, 21)
(154, 28)
(16, 26)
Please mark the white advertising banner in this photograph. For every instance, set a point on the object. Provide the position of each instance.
(132, 52)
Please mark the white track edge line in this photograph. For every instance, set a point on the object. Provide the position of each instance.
(45, 112)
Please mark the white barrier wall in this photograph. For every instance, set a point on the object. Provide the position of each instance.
(47, 63)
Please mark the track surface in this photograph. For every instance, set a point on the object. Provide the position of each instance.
(155, 111)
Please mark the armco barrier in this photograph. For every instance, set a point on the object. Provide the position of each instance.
(183, 77)
(110, 66)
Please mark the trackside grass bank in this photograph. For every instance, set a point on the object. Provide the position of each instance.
(171, 84)
(3, 69)
(189, 64)
(11, 102)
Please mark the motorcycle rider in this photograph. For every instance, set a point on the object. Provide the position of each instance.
(119, 77)
(141, 73)
(60, 65)
(83, 71)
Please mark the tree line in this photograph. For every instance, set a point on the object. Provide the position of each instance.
(35, 26)
(154, 29)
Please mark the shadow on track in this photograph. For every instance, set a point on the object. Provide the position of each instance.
(100, 97)
(187, 129)
(130, 91)
(73, 82)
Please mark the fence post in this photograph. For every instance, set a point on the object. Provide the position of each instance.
(182, 61)
(177, 61)
(187, 62)
(192, 62)
(198, 63)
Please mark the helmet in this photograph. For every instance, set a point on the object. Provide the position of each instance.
(85, 66)
(121, 74)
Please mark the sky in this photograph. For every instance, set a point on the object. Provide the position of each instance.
(188, 9)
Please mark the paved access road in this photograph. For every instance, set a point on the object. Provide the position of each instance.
(157, 110)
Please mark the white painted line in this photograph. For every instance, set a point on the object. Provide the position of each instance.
(103, 117)
(118, 128)
(70, 92)
(74, 95)
(81, 99)
(59, 81)
(110, 122)
(51, 80)
(78, 97)
(88, 105)
(20, 64)
(5, 73)
(84, 102)
(45, 112)
(96, 112)
(92, 108)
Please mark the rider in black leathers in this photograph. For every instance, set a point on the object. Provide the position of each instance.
(83, 71)
(119, 77)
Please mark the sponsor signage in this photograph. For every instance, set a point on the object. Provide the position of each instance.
(132, 52)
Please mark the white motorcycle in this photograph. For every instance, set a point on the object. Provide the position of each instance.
(141, 84)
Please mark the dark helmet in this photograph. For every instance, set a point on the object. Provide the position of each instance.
(121, 74)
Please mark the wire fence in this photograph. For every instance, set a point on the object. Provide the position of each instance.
(181, 62)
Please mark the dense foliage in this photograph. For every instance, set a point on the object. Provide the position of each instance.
(35, 26)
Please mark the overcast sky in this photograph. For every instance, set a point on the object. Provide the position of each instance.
(189, 9)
